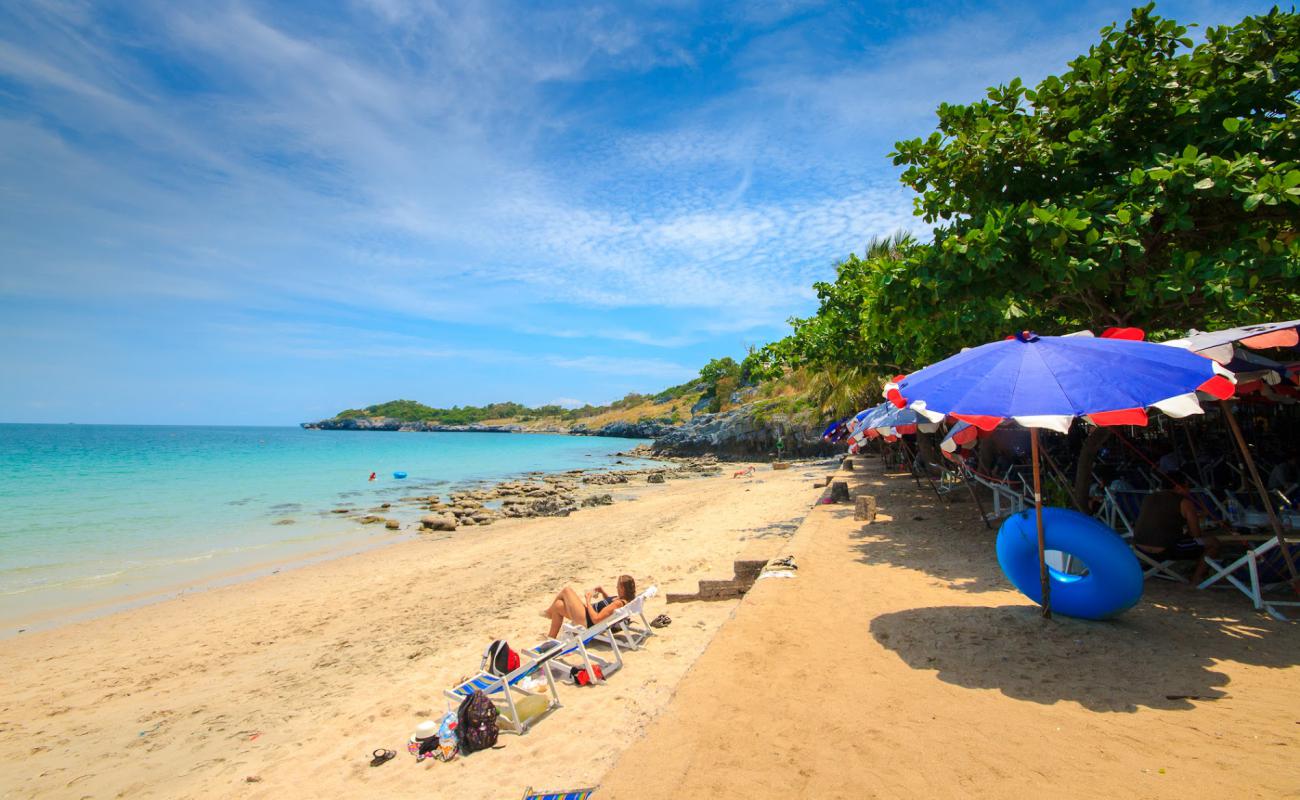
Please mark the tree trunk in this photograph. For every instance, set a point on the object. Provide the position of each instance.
(925, 446)
(1088, 455)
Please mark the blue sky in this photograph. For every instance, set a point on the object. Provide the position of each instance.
(249, 213)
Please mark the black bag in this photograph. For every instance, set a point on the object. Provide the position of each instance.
(476, 723)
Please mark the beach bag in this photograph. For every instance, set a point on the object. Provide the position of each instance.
(499, 659)
(581, 677)
(476, 727)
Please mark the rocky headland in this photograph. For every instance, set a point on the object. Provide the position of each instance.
(743, 433)
(391, 424)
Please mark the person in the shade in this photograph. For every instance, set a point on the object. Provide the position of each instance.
(1169, 526)
(589, 609)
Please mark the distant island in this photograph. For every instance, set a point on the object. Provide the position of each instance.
(723, 412)
(634, 415)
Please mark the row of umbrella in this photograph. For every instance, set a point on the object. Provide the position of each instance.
(1047, 382)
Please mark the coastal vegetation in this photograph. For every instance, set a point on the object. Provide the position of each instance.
(1154, 183)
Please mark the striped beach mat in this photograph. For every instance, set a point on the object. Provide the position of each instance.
(573, 794)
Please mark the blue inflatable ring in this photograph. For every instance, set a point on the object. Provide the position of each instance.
(399, 475)
(1114, 580)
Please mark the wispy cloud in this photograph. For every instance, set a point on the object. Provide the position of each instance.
(588, 188)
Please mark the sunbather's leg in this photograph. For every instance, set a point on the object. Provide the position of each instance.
(566, 604)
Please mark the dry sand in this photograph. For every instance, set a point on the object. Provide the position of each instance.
(900, 663)
(282, 686)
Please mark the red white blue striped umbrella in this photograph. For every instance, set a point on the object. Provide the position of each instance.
(1048, 381)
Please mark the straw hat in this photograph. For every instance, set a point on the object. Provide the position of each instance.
(425, 730)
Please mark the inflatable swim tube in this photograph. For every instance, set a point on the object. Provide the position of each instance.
(399, 475)
(1113, 583)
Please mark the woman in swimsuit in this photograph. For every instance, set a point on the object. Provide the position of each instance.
(583, 611)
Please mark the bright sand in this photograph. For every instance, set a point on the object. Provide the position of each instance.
(295, 678)
(899, 663)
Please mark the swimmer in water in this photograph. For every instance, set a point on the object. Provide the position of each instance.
(372, 476)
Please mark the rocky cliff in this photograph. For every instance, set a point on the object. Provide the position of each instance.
(645, 429)
(743, 433)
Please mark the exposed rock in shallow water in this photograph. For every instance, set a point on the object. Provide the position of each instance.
(655, 477)
(438, 522)
(285, 521)
(392, 524)
(598, 500)
(556, 506)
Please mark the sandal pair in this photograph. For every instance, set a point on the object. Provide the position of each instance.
(382, 756)
(661, 621)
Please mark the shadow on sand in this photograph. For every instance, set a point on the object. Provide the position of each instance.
(1161, 654)
(1157, 656)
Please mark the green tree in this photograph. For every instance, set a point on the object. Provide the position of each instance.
(1153, 183)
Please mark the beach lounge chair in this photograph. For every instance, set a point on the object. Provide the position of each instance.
(624, 628)
(576, 642)
(501, 689)
(572, 794)
(1260, 570)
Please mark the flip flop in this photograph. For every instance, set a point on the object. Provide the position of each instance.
(661, 621)
(381, 756)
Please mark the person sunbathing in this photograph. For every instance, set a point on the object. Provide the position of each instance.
(583, 611)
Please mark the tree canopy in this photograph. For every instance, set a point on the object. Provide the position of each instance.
(1154, 183)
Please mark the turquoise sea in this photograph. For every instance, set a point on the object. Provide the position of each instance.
(96, 514)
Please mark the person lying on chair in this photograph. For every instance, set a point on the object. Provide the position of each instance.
(1169, 526)
(584, 612)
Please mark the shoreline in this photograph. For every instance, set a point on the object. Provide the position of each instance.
(334, 543)
(196, 695)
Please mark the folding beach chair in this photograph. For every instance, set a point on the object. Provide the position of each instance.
(1260, 570)
(1003, 492)
(1123, 506)
(501, 689)
(573, 794)
(624, 627)
(576, 642)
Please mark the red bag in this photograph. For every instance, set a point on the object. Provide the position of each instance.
(582, 678)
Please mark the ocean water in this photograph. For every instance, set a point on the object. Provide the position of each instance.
(91, 515)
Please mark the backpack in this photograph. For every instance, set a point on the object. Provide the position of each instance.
(476, 727)
(499, 659)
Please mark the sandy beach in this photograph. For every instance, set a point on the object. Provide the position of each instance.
(283, 686)
(901, 663)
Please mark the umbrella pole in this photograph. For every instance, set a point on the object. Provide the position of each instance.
(1263, 493)
(1038, 517)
